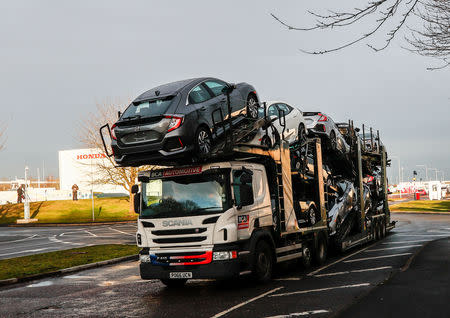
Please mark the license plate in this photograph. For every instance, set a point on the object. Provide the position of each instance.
(180, 275)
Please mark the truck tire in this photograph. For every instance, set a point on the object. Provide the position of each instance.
(383, 229)
(306, 257)
(174, 283)
(320, 251)
(263, 262)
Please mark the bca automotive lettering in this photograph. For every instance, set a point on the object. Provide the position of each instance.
(243, 222)
(176, 223)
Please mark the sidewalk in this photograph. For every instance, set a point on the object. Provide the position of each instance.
(422, 290)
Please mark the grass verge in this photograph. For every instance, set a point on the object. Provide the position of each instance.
(68, 211)
(426, 206)
(24, 266)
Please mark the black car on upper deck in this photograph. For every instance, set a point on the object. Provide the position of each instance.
(179, 120)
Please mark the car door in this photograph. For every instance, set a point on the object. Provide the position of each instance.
(199, 99)
(218, 104)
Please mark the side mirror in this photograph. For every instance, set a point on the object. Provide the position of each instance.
(119, 114)
(229, 88)
(134, 188)
(357, 129)
(137, 203)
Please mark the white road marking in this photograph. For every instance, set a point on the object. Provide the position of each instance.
(427, 235)
(26, 251)
(354, 271)
(375, 257)
(90, 233)
(41, 284)
(405, 242)
(339, 260)
(24, 239)
(288, 278)
(220, 314)
(299, 314)
(121, 231)
(393, 248)
(319, 290)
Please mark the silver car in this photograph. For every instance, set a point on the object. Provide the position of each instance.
(294, 130)
(344, 204)
(321, 125)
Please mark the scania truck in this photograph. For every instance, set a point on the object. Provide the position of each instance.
(244, 212)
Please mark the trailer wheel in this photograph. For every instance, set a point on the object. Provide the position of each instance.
(320, 252)
(263, 262)
(383, 229)
(174, 283)
(306, 256)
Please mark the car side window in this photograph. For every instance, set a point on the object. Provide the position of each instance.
(284, 108)
(272, 111)
(216, 87)
(198, 94)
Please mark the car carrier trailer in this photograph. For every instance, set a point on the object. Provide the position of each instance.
(248, 207)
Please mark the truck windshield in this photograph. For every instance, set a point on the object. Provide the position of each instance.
(200, 194)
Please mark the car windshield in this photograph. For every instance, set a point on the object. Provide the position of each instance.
(201, 194)
(147, 108)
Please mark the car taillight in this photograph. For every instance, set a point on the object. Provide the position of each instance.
(322, 117)
(175, 122)
(113, 134)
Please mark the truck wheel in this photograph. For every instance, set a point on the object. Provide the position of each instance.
(320, 252)
(263, 262)
(174, 283)
(306, 257)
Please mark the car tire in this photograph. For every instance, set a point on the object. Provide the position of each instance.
(263, 262)
(252, 106)
(174, 283)
(312, 216)
(203, 142)
(301, 133)
(333, 141)
(265, 141)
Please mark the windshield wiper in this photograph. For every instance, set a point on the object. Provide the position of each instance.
(207, 208)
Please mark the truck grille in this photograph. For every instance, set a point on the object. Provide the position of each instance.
(188, 239)
(179, 232)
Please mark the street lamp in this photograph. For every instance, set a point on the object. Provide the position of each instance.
(26, 203)
(399, 177)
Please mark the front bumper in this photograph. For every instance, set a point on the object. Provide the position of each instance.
(213, 270)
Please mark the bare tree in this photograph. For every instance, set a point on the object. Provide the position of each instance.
(432, 40)
(106, 170)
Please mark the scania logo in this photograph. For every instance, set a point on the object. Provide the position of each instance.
(177, 223)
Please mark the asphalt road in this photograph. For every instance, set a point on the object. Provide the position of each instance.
(359, 279)
(21, 241)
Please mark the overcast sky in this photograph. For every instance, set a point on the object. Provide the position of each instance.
(57, 59)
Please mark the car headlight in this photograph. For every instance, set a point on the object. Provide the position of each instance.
(224, 255)
(144, 258)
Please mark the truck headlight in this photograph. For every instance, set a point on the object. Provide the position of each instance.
(224, 255)
(144, 258)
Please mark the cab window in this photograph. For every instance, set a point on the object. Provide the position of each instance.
(198, 94)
